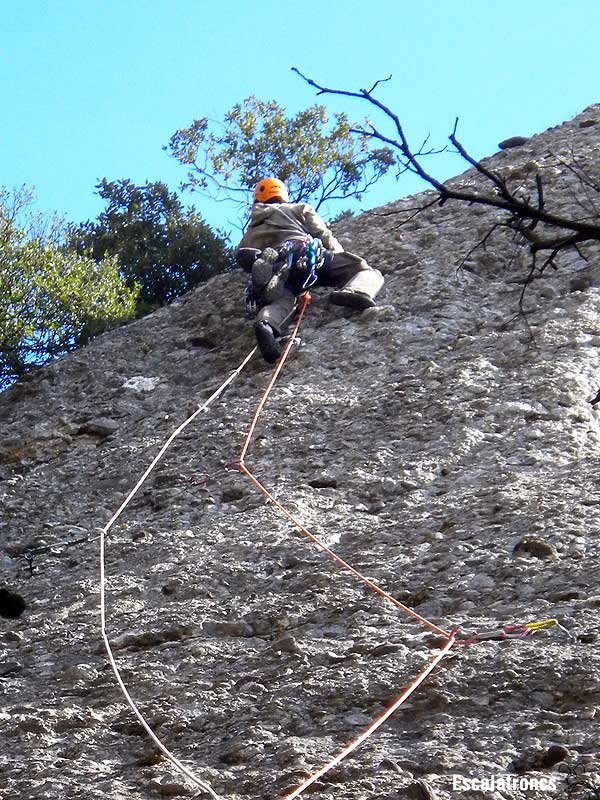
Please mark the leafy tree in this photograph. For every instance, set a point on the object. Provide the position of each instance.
(257, 139)
(51, 299)
(160, 246)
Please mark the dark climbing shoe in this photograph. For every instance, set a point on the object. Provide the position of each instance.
(268, 343)
(357, 300)
(269, 275)
(262, 269)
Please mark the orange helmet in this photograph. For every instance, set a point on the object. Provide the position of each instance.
(270, 188)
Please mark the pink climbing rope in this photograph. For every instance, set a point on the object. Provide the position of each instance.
(450, 637)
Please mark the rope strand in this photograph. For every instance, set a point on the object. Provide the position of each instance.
(340, 561)
(104, 531)
(376, 722)
(506, 632)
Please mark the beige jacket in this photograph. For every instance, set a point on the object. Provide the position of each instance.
(272, 224)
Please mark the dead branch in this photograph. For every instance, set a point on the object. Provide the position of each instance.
(540, 227)
(481, 243)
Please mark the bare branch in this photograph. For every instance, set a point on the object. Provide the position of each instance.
(527, 281)
(491, 176)
(376, 84)
(540, 191)
(540, 227)
(504, 200)
(481, 243)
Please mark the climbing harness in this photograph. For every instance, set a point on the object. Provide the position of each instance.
(454, 637)
(296, 263)
(306, 256)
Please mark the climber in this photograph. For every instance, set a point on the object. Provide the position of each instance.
(279, 252)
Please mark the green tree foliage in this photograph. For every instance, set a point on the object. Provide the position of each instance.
(51, 299)
(318, 161)
(160, 246)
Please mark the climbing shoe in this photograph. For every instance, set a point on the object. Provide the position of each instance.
(269, 274)
(268, 343)
(352, 299)
(262, 269)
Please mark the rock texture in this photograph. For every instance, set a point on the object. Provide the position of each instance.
(442, 446)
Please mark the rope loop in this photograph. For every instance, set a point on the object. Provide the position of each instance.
(198, 782)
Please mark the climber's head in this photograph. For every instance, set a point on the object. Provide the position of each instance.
(271, 190)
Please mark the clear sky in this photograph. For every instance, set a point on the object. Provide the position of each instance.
(95, 88)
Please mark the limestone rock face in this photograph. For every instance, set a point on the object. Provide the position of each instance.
(440, 443)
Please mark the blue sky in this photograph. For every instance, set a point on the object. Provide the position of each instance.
(95, 89)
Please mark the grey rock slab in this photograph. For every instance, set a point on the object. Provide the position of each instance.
(429, 442)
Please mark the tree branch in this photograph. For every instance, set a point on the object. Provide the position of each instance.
(507, 201)
(536, 224)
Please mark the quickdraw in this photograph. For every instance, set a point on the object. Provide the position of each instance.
(518, 631)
